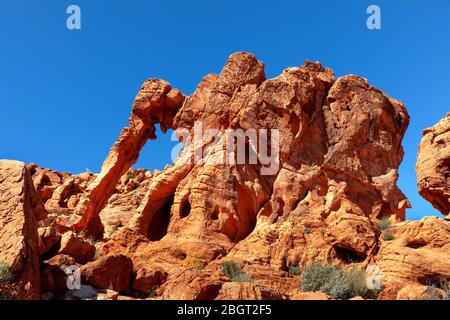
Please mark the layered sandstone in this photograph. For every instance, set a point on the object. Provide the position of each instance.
(318, 193)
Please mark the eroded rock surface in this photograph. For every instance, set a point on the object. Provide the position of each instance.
(317, 193)
(433, 164)
(20, 209)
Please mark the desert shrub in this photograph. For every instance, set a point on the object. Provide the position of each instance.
(5, 273)
(334, 281)
(384, 224)
(241, 277)
(7, 288)
(294, 271)
(234, 272)
(388, 236)
(196, 263)
(355, 281)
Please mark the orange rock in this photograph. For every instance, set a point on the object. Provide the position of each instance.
(110, 272)
(334, 178)
(149, 108)
(420, 292)
(311, 296)
(78, 248)
(20, 208)
(147, 280)
(247, 291)
(419, 254)
(432, 165)
(48, 239)
(54, 276)
(340, 148)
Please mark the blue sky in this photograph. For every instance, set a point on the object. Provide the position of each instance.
(65, 95)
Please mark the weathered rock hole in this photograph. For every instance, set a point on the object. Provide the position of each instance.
(416, 244)
(185, 209)
(349, 256)
(215, 214)
(160, 221)
(210, 292)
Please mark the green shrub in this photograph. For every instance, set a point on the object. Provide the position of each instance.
(7, 289)
(356, 283)
(388, 236)
(294, 271)
(234, 272)
(241, 277)
(333, 281)
(384, 224)
(6, 275)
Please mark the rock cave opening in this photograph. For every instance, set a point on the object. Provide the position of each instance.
(185, 208)
(157, 228)
(348, 256)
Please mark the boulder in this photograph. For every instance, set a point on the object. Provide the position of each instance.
(432, 165)
(54, 274)
(110, 272)
(75, 246)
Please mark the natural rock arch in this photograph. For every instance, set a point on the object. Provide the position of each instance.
(156, 103)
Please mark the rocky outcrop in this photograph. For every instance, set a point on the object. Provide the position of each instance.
(418, 254)
(77, 247)
(432, 166)
(156, 103)
(110, 272)
(315, 183)
(335, 176)
(20, 209)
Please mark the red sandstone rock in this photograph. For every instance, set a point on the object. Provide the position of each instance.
(110, 272)
(20, 208)
(75, 246)
(54, 275)
(48, 239)
(419, 254)
(311, 296)
(433, 165)
(420, 292)
(147, 280)
(334, 179)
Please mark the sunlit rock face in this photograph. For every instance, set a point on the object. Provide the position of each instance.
(318, 173)
(433, 165)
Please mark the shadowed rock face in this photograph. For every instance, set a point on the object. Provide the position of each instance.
(433, 163)
(336, 147)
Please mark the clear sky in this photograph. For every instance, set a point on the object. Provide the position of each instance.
(65, 95)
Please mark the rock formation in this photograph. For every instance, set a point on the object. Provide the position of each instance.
(317, 176)
(433, 163)
(20, 208)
